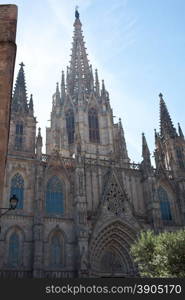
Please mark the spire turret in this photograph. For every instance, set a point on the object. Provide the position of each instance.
(31, 105)
(97, 84)
(19, 100)
(122, 142)
(147, 167)
(166, 125)
(145, 149)
(57, 95)
(92, 78)
(180, 131)
(103, 91)
(39, 144)
(63, 87)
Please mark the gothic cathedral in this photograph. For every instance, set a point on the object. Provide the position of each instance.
(82, 204)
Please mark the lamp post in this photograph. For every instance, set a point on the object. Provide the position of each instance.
(13, 205)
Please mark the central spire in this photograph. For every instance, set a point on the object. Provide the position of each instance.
(79, 73)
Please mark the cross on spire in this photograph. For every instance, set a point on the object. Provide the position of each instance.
(22, 64)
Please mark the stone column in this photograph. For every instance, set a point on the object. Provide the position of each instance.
(38, 226)
(81, 218)
(8, 25)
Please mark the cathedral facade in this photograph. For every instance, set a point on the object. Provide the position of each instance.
(83, 203)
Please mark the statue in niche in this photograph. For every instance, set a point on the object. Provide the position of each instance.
(84, 259)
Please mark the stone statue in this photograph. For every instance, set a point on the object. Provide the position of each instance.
(84, 260)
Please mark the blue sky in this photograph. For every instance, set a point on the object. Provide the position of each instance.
(138, 47)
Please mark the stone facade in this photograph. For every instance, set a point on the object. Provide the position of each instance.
(8, 25)
(83, 203)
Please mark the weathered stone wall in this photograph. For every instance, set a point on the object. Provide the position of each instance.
(8, 23)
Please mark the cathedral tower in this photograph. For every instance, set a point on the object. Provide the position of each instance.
(81, 116)
(170, 144)
(83, 203)
(23, 122)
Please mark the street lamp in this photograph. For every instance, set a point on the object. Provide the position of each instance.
(13, 202)
(13, 205)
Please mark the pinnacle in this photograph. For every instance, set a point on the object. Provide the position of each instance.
(166, 124)
(19, 100)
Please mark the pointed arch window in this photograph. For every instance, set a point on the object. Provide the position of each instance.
(17, 188)
(18, 136)
(14, 250)
(54, 196)
(164, 205)
(56, 251)
(180, 157)
(70, 125)
(94, 136)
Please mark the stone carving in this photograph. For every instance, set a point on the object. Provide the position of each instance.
(115, 199)
(84, 260)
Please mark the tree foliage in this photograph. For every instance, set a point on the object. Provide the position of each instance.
(160, 255)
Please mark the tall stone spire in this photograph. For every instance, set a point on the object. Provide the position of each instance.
(166, 125)
(39, 144)
(19, 100)
(97, 84)
(79, 73)
(63, 91)
(57, 95)
(146, 154)
(180, 131)
(31, 105)
(145, 149)
(122, 141)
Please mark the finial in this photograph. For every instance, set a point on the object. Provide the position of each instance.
(161, 96)
(103, 85)
(39, 133)
(63, 78)
(22, 65)
(77, 15)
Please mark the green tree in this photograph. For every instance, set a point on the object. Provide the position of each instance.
(160, 255)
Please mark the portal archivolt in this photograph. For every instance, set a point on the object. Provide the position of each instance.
(110, 251)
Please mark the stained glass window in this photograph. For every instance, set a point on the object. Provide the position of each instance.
(14, 249)
(19, 136)
(17, 188)
(56, 251)
(93, 126)
(164, 205)
(70, 126)
(54, 196)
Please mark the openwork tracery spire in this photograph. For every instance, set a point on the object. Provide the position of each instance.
(79, 73)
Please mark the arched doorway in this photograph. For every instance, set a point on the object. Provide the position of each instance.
(110, 251)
